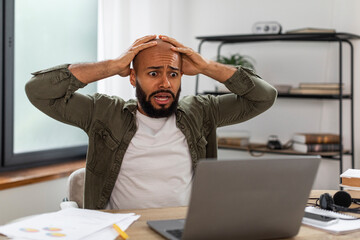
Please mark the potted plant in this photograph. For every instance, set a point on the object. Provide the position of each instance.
(235, 60)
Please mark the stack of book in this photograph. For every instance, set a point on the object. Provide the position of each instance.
(311, 30)
(233, 141)
(317, 88)
(233, 138)
(350, 181)
(316, 142)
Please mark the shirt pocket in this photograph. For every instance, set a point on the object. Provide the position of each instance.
(102, 149)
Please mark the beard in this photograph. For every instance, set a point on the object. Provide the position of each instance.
(149, 109)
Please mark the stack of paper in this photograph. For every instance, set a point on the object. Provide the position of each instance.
(71, 223)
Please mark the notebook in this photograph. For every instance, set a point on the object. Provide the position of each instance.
(245, 199)
(345, 223)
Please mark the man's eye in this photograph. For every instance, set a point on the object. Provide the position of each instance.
(173, 74)
(153, 74)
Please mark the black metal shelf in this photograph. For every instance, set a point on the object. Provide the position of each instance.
(280, 37)
(261, 148)
(314, 96)
(289, 95)
(339, 38)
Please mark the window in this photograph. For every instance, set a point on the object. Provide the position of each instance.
(40, 34)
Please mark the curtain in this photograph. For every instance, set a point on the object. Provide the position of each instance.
(120, 24)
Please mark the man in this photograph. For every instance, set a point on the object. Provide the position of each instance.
(143, 153)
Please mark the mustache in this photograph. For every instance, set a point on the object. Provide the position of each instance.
(162, 91)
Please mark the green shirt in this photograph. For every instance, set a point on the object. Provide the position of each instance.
(109, 121)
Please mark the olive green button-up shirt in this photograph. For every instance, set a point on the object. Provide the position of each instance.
(109, 121)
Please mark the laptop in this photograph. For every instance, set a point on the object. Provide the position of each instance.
(245, 199)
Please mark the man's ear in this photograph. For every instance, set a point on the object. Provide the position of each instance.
(132, 77)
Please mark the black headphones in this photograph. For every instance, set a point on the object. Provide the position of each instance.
(340, 202)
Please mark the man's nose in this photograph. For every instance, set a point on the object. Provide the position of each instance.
(165, 83)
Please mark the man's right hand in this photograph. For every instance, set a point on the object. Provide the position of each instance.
(126, 58)
(91, 72)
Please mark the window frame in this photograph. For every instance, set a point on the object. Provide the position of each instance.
(2, 28)
(10, 160)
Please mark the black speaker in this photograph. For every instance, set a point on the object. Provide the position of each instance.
(340, 202)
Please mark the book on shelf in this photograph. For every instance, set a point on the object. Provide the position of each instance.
(312, 30)
(315, 147)
(316, 138)
(321, 85)
(234, 141)
(351, 178)
(316, 91)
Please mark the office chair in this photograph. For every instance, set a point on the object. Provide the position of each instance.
(75, 190)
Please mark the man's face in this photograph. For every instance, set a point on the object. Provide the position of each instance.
(157, 77)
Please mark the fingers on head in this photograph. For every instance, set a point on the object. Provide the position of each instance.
(173, 41)
(144, 39)
(147, 45)
(182, 50)
(143, 46)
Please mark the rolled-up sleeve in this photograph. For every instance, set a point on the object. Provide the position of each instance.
(53, 91)
(250, 97)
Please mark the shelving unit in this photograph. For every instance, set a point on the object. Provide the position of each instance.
(339, 38)
(258, 147)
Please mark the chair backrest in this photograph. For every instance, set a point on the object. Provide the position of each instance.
(75, 190)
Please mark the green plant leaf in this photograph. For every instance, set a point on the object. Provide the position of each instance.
(236, 60)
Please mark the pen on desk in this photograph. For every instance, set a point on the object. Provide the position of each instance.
(122, 234)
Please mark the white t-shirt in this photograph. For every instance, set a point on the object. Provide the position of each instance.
(156, 170)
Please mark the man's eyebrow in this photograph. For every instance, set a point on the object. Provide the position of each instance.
(159, 67)
(174, 68)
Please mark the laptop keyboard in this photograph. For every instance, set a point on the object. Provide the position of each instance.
(175, 232)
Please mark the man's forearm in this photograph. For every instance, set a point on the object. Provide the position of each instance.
(218, 71)
(91, 72)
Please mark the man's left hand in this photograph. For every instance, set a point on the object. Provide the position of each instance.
(192, 62)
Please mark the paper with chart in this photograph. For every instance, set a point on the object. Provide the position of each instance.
(71, 223)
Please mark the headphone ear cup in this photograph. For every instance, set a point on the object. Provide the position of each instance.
(342, 198)
(326, 201)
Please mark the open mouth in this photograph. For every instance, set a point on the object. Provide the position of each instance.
(162, 98)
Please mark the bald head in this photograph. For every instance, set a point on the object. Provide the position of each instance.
(161, 54)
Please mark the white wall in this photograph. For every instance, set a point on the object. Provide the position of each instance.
(276, 62)
(31, 199)
(286, 63)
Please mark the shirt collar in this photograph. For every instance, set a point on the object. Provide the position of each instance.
(131, 105)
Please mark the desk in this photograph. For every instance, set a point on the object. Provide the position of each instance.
(140, 230)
